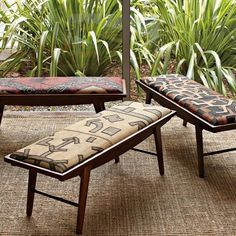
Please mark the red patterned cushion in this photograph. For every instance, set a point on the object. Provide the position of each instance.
(209, 105)
(61, 85)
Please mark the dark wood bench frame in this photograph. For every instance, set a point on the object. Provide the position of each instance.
(199, 123)
(97, 100)
(83, 169)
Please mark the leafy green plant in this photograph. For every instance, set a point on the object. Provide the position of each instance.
(71, 37)
(144, 32)
(139, 41)
(66, 37)
(199, 38)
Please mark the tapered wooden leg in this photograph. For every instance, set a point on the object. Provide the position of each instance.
(99, 106)
(148, 98)
(158, 142)
(82, 198)
(199, 139)
(185, 123)
(31, 191)
(117, 160)
(1, 112)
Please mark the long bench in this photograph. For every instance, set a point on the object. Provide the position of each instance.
(88, 144)
(194, 103)
(57, 91)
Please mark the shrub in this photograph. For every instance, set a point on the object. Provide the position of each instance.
(199, 37)
(66, 37)
(71, 37)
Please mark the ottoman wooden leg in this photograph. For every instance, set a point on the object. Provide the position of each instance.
(199, 139)
(1, 112)
(158, 142)
(31, 191)
(148, 98)
(99, 106)
(82, 198)
(117, 160)
(185, 123)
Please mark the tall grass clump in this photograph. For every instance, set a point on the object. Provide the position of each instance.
(199, 38)
(71, 37)
(65, 37)
(139, 41)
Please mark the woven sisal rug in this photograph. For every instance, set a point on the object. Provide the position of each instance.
(129, 198)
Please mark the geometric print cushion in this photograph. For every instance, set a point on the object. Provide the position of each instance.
(61, 85)
(76, 143)
(205, 103)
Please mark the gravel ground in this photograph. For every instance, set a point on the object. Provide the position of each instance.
(57, 108)
(50, 108)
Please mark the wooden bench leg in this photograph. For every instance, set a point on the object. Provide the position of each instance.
(158, 142)
(185, 123)
(99, 106)
(199, 139)
(82, 198)
(1, 112)
(117, 160)
(148, 98)
(31, 191)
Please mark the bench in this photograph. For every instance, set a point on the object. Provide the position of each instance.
(88, 144)
(55, 91)
(194, 103)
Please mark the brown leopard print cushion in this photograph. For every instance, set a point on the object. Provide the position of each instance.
(76, 143)
(209, 105)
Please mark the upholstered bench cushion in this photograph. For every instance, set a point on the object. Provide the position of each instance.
(205, 103)
(61, 85)
(74, 144)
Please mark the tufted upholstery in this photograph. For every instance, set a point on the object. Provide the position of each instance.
(76, 143)
(207, 104)
(61, 85)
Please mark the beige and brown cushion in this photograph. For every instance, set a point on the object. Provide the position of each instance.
(76, 143)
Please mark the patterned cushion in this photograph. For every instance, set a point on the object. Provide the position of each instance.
(45, 85)
(76, 143)
(209, 105)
